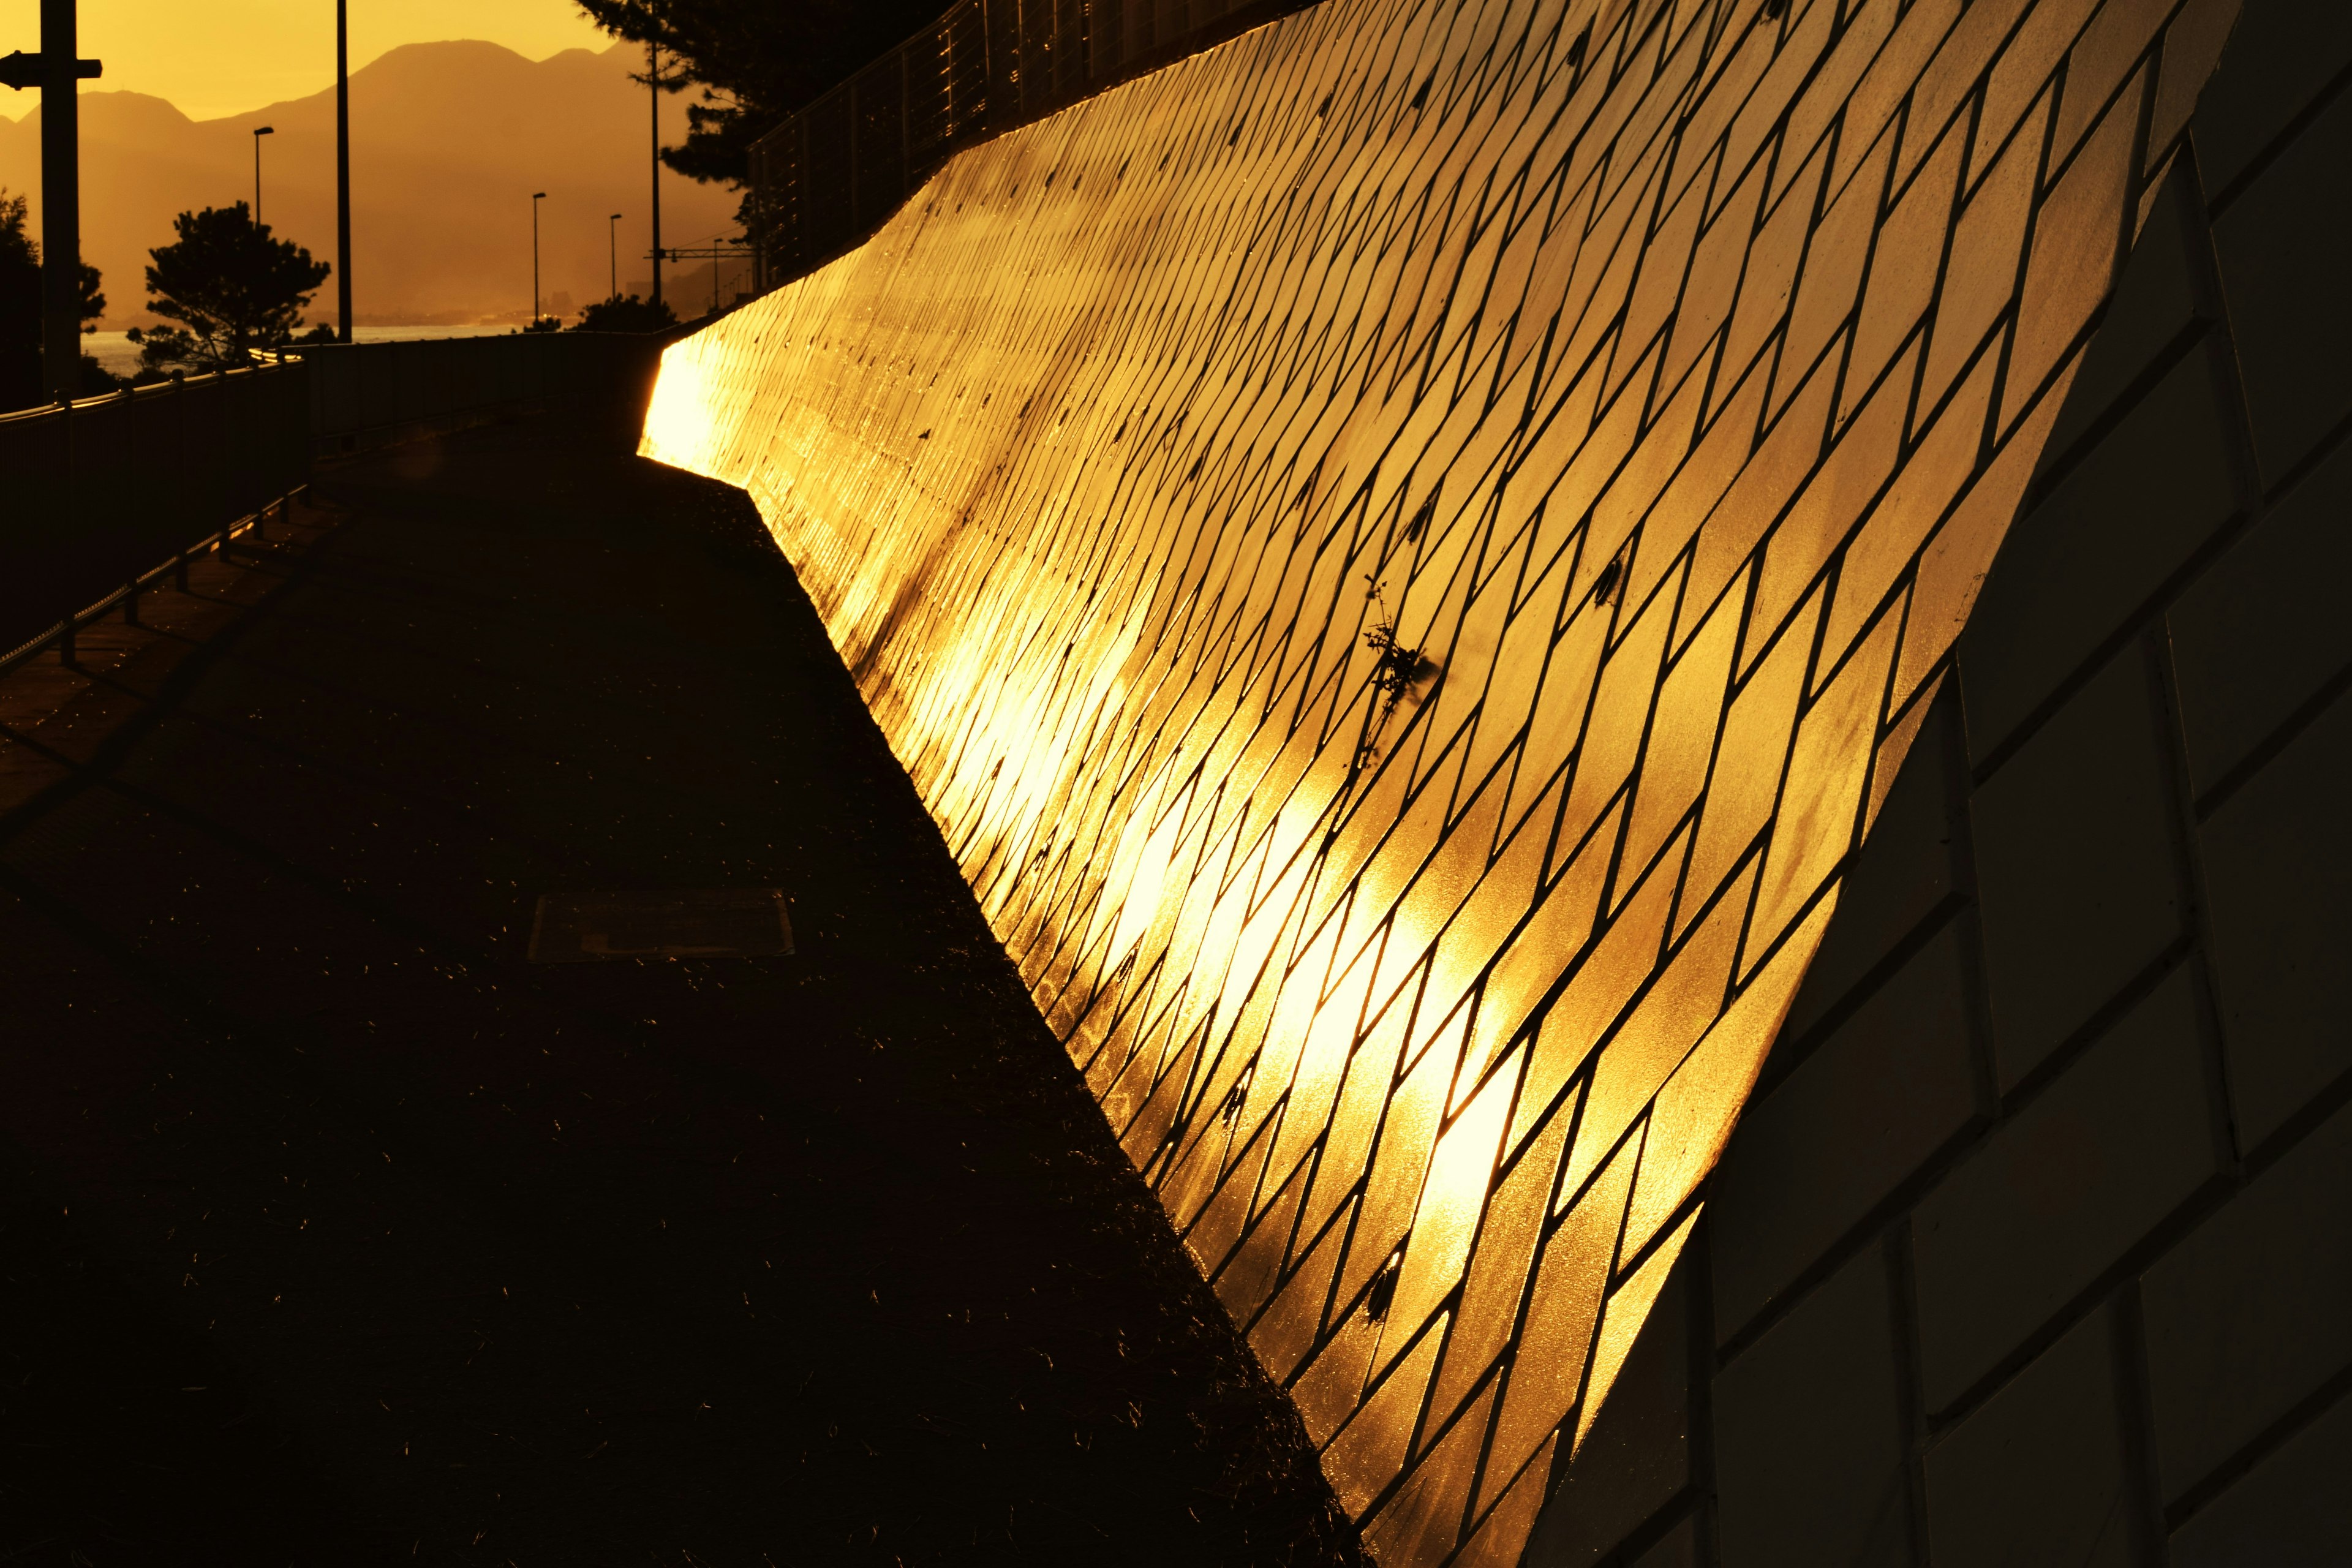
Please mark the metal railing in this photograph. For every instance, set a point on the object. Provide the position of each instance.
(106, 497)
(109, 493)
(828, 176)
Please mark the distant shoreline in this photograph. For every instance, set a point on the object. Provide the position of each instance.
(119, 355)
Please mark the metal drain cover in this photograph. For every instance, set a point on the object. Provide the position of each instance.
(702, 923)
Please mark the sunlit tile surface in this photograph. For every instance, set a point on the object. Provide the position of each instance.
(1401, 553)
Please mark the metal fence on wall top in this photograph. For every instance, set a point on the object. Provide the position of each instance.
(829, 175)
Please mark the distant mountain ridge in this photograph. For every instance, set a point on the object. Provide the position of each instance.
(449, 142)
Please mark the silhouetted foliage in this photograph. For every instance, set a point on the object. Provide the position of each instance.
(625, 313)
(22, 384)
(232, 288)
(755, 60)
(323, 332)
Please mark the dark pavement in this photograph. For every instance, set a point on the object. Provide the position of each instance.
(334, 1232)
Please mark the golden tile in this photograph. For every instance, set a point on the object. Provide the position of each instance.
(1698, 1104)
(2095, 67)
(1799, 50)
(1451, 1197)
(2076, 252)
(2022, 74)
(1548, 1373)
(1883, 548)
(1771, 274)
(1746, 783)
(1366, 1456)
(1606, 979)
(1817, 821)
(1888, 763)
(1554, 933)
(1903, 266)
(1895, 73)
(1940, 96)
(1285, 1330)
(1421, 1522)
(1953, 564)
(1831, 504)
(1684, 997)
(1496, 1541)
(1987, 247)
(1830, 280)
(1498, 1277)
(1706, 475)
(1612, 735)
(1330, 1387)
(2192, 45)
(1691, 702)
(1830, 91)
(1629, 1308)
(1392, 1185)
(1757, 498)
(1249, 1278)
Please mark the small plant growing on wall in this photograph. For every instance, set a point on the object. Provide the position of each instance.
(1398, 669)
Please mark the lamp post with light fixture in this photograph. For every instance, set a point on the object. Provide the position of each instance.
(653, 75)
(343, 171)
(536, 197)
(258, 133)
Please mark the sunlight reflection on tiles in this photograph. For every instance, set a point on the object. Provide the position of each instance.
(1401, 553)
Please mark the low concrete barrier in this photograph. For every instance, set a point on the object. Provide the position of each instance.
(372, 395)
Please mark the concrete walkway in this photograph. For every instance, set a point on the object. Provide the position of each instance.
(337, 1233)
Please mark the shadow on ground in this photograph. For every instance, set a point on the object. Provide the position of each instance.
(335, 1233)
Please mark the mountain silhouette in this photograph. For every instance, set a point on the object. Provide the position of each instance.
(449, 142)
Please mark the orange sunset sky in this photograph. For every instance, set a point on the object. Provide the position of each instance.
(449, 140)
(213, 57)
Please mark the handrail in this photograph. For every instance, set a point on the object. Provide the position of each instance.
(60, 633)
(102, 488)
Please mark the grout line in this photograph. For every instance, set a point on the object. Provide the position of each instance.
(1910, 1391)
(1699, 1410)
(2265, 1443)
(2273, 746)
(2136, 1414)
(2276, 148)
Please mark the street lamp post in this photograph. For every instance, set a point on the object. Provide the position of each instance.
(343, 168)
(258, 133)
(536, 197)
(652, 75)
(613, 244)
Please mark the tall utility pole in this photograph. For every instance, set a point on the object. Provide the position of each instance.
(55, 70)
(344, 168)
(652, 75)
(536, 197)
(61, 202)
(613, 244)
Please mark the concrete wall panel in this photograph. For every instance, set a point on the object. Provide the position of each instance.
(1404, 553)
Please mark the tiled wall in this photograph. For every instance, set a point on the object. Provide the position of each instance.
(2035, 1245)
(1402, 553)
